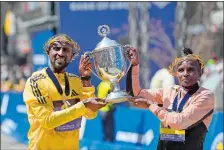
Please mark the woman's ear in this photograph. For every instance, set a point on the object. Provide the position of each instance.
(201, 71)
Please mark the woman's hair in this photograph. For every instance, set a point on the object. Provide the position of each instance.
(187, 54)
(187, 51)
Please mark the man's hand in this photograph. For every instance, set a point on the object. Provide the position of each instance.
(94, 103)
(141, 102)
(85, 66)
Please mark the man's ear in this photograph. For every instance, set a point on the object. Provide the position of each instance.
(47, 52)
(73, 56)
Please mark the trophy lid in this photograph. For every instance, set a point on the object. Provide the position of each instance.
(103, 31)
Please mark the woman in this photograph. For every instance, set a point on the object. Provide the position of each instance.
(185, 110)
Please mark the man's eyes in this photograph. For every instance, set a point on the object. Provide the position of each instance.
(59, 48)
(66, 49)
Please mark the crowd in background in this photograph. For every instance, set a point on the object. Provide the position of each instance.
(13, 76)
(213, 66)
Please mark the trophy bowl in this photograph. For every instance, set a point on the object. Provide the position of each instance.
(111, 64)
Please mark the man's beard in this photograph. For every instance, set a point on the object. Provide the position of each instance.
(58, 66)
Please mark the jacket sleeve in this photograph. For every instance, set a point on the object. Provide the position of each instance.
(38, 102)
(88, 92)
(194, 112)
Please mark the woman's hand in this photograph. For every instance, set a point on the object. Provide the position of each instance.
(85, 66)
(132, 55)
(141, 102)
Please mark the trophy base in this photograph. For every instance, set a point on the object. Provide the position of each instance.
(117, 97)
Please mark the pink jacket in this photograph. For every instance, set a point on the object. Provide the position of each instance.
(198, 105)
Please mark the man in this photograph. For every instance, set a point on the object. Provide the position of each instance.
(57, 100)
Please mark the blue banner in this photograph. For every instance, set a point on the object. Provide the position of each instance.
(214, 138)
(14, 120)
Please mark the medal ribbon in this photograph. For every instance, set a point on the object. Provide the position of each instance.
(184, 100)
(56, 83)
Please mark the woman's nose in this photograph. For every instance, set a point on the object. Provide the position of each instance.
(186, 73)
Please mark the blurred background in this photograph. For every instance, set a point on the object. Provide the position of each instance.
(160, 30)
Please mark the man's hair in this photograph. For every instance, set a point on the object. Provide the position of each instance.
(62, 38)
(186, 55)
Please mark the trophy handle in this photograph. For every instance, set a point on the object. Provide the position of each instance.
(127, 69)
(126, 49)
(89, 54)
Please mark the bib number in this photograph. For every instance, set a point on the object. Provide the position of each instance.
(167, 134)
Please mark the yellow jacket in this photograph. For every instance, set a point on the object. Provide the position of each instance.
(54, 119)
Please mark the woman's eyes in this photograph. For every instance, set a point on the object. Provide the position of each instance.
(180, 70)
(188, 69)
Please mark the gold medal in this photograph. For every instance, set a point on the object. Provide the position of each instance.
(65, 101)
